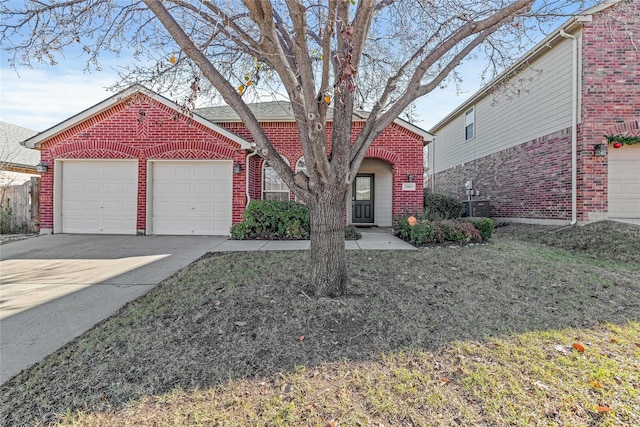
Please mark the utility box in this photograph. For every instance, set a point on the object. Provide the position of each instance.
(477, 208)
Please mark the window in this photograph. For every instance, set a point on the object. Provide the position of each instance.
(301, 166)
(469, 124)
(273, 187)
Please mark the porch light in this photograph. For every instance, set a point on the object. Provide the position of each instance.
(237, 168)
(42, 167)
(410, 177)
(600, 150)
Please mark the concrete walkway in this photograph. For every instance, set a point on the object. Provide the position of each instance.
(53, 288)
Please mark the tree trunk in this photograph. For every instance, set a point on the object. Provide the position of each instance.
(329, 275)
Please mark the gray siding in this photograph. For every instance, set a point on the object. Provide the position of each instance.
(536, 102)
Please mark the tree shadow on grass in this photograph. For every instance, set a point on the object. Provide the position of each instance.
(239, 315)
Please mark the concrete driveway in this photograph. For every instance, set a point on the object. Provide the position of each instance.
(53, 288)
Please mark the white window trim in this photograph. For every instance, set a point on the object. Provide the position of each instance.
(472, 122)
(262, 193)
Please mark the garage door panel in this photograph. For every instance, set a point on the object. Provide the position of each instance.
(114, 188)
(208, 188)
(99, 197)
(192, 197)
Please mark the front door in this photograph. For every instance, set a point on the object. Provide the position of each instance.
(363, 199)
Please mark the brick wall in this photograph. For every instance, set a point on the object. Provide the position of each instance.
(532, 180)
(147, 130)
(610, 96)
(397, 146)
(143, 130)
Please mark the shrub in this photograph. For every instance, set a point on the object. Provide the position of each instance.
(273, 220)
(352, 233)
(484, 225)
(459, 232)
(6, 217)
(278, 220)
(438, 207)
(425, 232)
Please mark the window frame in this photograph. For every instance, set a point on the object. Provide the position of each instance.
(264, 192)
(471, 112)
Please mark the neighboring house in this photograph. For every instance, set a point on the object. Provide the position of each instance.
(528, 141)
(17, 163)
(136, 164)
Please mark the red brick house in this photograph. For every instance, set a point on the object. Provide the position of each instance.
(528, 141)
(135, 164)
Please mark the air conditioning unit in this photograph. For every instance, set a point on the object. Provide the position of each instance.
(477, 208)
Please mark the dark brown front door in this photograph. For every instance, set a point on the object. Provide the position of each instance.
(363, 199)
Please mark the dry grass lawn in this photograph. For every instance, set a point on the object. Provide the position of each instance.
(479, 335)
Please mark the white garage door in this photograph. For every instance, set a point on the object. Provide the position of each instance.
(624, 181)
(192, 197)
(99, 197)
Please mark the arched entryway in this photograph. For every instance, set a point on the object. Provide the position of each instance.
(370, 199)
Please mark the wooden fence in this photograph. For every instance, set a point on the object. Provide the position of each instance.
(19, 207)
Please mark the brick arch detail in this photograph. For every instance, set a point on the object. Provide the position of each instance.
(628, 128)
(379, 153)
(191, 150)
(95, 150)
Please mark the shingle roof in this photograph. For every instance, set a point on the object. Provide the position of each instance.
(276, 111)
(280, 111)
(10, 149)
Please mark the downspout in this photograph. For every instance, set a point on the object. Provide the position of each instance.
(253, 153)
(432, 152)
(574, 127)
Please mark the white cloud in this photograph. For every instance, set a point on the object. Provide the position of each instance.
(41, 98)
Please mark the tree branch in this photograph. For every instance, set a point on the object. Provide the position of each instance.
(228, 93)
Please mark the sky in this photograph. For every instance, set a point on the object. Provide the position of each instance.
(44, 96)
(41, 97)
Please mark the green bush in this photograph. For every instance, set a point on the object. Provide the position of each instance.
(351, 232)
(278, 220)
(438, 207)
(459, 232)
(426, 232)
(273, 220)
(483, 225)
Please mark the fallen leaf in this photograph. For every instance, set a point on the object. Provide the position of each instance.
(444, 381)
(603, 409)
(578, 347)
(613, 340)
(562, 349)
(595, 383)
(332, 423)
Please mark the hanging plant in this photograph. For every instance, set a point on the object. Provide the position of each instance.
(620, 140)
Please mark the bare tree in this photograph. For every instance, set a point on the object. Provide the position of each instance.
(380, 54)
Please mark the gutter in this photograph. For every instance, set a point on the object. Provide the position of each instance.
(574, 126)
